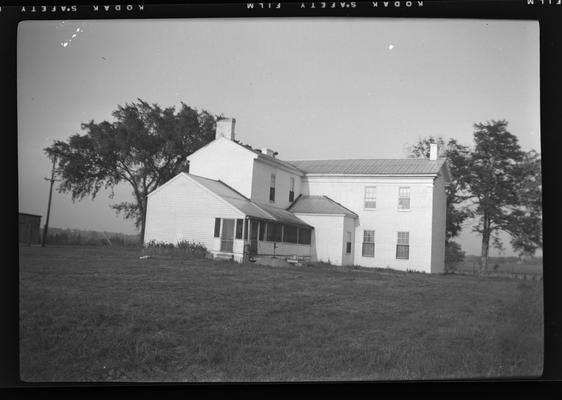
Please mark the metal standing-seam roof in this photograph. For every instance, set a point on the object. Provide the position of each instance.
(319, 205)
(247, 206)
(284, 216)
(407, 166)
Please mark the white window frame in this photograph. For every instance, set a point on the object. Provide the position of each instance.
(372, 199)
(403, 239)
(364, 242)
(408, 197)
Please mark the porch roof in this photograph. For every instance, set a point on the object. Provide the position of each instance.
(284, 216)
(247, 206)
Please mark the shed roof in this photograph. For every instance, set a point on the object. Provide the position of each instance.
(284, 216)
(407, 166)
(248, 207)
(319, 205)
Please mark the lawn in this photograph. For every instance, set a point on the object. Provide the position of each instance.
(102, 314)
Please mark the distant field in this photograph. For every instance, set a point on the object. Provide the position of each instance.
(101, 314)
(508, 268)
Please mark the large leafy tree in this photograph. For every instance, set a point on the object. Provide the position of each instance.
(524, 221)
(143, 147)
(502, 179)
(458, 157)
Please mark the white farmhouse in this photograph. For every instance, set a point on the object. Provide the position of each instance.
(241, 203)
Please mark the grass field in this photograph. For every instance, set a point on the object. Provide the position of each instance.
(101, 314)
(505, 268)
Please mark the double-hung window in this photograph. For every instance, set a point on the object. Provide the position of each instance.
(368, 244)
(403, 198)
(292, 189)
(370, 197)
(403, 246)
(272, 188)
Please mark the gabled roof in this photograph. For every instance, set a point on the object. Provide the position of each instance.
(248, 207)
(407, 166)
(319, 205)
(254, 153)
(231, 196)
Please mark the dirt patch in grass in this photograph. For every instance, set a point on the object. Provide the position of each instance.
(101, 314)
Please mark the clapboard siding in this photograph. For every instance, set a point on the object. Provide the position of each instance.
(386, 220)
(184, 210)
(225, 161)
(261, 182)
(326, 236)
(439, 216)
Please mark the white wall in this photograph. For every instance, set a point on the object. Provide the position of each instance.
(386, 220)
(226, 161)
(348, 226)
(183, 210)
(439, 216)
(327, 236)
(261, 183)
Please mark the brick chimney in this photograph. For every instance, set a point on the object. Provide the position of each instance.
(225, 128)
(433, 151)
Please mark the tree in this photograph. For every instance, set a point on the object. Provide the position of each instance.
(494, 179)
(458, 157)
(453, 255)
(524, 222)
(144, 147)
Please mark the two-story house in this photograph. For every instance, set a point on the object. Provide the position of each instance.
(242, 202)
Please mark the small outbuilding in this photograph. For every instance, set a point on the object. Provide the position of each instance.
(29, 228)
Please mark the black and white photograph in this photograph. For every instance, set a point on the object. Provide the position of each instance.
(310, 199)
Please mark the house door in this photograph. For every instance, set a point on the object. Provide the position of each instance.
(254, 237)
(227, 235)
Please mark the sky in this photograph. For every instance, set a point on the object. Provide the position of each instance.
(308, 88)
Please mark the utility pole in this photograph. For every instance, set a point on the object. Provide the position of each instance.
(52, 180)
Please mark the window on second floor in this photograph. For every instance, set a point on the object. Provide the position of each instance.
(272, 188)
(292, 189)
(370, 197)
(403, 198)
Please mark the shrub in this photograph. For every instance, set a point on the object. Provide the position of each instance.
(453, 256)
(183, 248)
